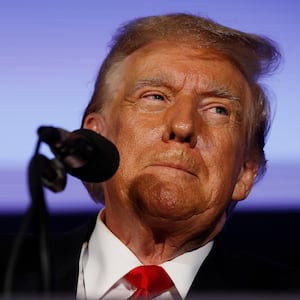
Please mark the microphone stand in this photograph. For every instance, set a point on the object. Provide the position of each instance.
(38, 213)
(40, 218)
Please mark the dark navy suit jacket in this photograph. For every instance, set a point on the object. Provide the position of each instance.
(223, 271)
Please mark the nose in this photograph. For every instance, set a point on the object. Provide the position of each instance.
(180, 120)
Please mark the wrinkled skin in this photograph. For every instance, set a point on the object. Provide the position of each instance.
(176, 116)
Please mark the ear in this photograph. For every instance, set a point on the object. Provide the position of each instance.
(245, 181)
(95, 122)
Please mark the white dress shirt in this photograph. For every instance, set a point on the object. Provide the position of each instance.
(105, 260)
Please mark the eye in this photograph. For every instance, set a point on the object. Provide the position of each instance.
(220, 110)
(154, 97)
(153, 101)
(217, 111)
(216, 114)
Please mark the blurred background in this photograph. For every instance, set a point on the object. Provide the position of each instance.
(50, 52)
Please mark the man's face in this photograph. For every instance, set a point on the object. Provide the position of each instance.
(176, 116)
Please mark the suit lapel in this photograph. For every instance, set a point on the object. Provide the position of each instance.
(66, 258)
(211, 273)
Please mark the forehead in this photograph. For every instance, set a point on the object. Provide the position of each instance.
(178, 64)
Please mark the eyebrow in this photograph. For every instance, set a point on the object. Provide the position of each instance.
(221, 92)
(155, 82)
(214, 90)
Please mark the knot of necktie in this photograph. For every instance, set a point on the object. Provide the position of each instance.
(150, 281)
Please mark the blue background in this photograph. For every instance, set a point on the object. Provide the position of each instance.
(50, 52)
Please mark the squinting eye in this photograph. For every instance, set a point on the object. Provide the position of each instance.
(154, 97)
(216, 115)
(153, 101)
(221, 110)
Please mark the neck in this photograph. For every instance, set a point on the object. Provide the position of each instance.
(155, 240)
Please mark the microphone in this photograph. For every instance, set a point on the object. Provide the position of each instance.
(84, 153)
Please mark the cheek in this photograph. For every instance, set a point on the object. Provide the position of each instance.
(134, 135)
(134, 129)
(222, 151)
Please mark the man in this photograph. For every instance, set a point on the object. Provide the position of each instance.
(179, 97)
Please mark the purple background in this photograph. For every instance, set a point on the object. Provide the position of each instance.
(50, 52)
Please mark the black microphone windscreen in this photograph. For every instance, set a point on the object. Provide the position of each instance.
(103, 162)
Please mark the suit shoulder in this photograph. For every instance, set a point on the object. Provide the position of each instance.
(229, 269)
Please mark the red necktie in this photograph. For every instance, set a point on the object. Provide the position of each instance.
(150, 281)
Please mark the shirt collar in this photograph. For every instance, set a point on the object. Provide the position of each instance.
(183, 268)
(113, 260)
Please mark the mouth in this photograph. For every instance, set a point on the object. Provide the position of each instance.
(174, 166)
(175, 162)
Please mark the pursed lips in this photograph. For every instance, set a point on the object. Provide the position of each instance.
(176, 159)
(173, 166)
